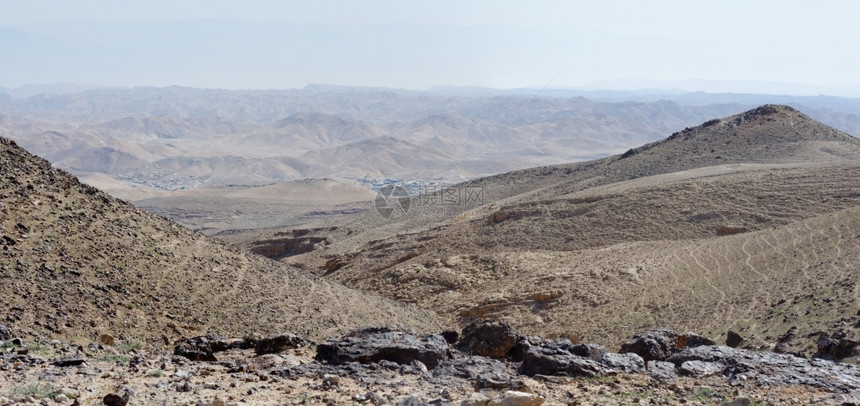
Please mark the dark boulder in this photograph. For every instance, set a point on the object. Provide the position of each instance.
(706, 354)
(70, 361)
(203, 348)
(114, 400)
(690, 340)
(278, 343)
(654, 345)
(451, 336)
(200, 348)
(488, 338)
(523, 344)
(733, 339)
(5, 333)
(593, 351)
(375, 346)
(837, 346)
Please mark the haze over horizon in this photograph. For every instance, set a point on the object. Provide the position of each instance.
(764, 47)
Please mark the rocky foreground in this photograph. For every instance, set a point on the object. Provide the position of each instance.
(488, 364)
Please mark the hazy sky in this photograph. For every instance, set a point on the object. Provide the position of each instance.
(415, 45)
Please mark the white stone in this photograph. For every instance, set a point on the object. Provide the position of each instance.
(514, 398)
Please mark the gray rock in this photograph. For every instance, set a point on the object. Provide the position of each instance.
(413, 368)
(662, 371)
(489, 338)
(770, 369)
(411, 400)
(628, 362)
(5, 333)
(707, 354)
(698, 369)
(738, 402)
(472, 368)
(394, 346)
(492, 381)
(554, 361)
(475, 399)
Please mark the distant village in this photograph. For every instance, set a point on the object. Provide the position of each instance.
(413, 187)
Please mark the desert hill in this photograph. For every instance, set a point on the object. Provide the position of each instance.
(76, 263)
(739, 142)
(745, 222)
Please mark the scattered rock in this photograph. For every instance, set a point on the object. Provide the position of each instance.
(70, 362)
(5, 333)
(374, 398)
(498, 217)
(197, 348)
(214, 402)
(738, 402)
(278, 343)
(475, 399)
(492, 381)
(733, 339)
(70, 393)
(106, 339)
(784, 344)
(203, 348)
(411, 400)
(489, 338)
(413, 368)
(333, 264)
